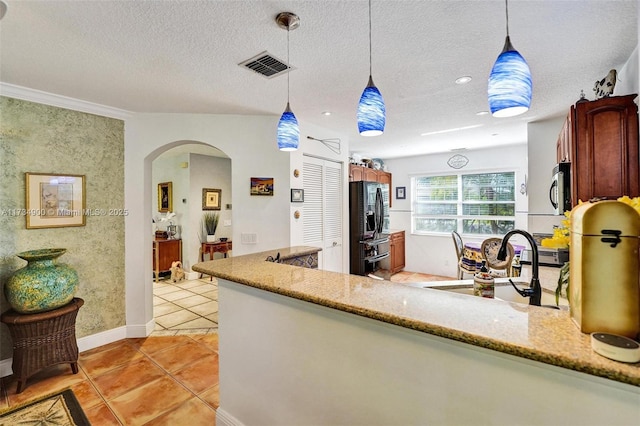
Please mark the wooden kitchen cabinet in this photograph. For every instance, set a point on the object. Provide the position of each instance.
(396, 252)
(358, 173)
(370, 175)
(600, 140)
(165, 252)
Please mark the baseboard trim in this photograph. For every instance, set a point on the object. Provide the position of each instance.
(192, 275)
(100, 339)
(225, 419)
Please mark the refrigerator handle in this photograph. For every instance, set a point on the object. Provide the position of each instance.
(379, 211)
(555, 202)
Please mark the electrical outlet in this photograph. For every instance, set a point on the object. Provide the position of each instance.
(227, 222)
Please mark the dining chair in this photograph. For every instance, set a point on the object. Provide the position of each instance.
(457, 241)
(489, 249)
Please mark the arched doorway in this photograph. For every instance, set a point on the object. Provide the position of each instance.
(181, 173)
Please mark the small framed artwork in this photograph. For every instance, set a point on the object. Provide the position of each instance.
(261, 186)
(165, 197)
(211, 199)
(401, 193)
(54, 201)
(297, 195)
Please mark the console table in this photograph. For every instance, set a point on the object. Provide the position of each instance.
(43, 339)
(215, 247)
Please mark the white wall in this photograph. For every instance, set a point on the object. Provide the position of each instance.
(317, 149)
(435, 254)
(628, 81)
(208, 172)
(541, 151)
(250, 143)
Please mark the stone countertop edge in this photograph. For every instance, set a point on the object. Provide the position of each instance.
(539, 334)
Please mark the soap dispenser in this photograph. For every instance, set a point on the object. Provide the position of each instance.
(604, 273)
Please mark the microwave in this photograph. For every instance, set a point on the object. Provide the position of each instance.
(560, 190)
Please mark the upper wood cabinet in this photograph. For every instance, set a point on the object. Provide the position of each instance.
(600, 140)
(358, 173)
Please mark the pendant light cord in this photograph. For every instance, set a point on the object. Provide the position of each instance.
(370, 37)
(506, 8)
(288, 65)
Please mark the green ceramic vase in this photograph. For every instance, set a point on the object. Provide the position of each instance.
(43, 284)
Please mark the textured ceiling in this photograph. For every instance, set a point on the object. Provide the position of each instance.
(183, 56)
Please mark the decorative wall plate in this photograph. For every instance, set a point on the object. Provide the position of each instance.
(458, 161)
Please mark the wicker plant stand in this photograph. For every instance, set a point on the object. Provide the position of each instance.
(42, 340)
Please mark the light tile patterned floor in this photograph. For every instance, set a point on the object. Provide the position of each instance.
(185, 306)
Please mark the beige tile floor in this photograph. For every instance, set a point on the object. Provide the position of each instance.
(185, 306)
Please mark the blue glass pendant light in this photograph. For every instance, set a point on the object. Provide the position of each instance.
(510, 84)
(371, 109)
(288, 129)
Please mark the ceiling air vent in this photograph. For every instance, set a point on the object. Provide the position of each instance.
(266, 65)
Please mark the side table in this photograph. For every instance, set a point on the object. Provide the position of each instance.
(215, 247)
(43, 339)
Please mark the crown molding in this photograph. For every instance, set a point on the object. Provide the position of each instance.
(38, 96)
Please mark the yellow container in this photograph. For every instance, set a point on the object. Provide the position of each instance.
(604, 274)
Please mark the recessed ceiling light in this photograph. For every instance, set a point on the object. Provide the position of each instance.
(326, 112)
(463, 80)
(482, 113)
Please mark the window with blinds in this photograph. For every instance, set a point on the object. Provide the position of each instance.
(482, 203)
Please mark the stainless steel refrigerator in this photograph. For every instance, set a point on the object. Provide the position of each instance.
(368, 226)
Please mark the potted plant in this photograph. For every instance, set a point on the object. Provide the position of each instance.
(209, 225)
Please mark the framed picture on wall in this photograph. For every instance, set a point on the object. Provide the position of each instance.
(54, 201)
(401, 193)
(261, 186)
(211, 199)
(165, 197)
(297, 195)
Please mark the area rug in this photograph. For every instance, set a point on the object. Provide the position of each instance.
(60, 409)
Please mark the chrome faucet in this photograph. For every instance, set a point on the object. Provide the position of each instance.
(534, 292)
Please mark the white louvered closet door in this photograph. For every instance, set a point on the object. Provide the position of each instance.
(322, 219)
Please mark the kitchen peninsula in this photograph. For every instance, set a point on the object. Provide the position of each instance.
(305, 346)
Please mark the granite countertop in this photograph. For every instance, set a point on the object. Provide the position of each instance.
(532, 332)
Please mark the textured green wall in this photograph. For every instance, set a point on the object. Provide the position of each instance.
(46, 139)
